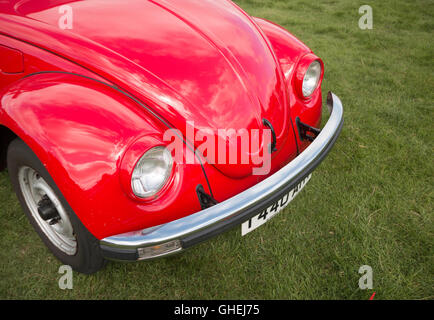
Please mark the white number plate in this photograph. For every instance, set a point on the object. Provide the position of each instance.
(274, 209)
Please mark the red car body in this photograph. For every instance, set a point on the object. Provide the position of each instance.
(91, 100)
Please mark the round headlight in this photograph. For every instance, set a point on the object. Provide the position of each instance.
(151, 172)
(311, 78)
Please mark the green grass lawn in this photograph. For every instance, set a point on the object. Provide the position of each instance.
(370, 202)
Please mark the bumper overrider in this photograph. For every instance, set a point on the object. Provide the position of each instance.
(183, 233)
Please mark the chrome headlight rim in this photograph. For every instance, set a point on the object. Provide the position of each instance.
(140, 186)
(303, 67)
(311, 79)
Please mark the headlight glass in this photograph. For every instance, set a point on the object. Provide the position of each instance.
(311, 78)
(152, 172)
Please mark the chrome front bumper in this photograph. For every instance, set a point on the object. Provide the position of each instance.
(183, 233)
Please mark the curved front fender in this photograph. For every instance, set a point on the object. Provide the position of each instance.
(80, 129)
(290, 51)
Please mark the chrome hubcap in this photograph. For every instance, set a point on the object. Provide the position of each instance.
(40, 198)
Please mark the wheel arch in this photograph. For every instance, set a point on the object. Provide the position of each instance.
(6, 137)
(80, 130)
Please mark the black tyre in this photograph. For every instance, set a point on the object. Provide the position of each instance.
(49, 213)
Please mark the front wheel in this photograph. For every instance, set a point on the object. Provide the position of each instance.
(49, 213)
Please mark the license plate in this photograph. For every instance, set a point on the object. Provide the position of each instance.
(274, 209)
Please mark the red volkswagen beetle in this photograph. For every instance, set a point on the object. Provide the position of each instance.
(105, 106)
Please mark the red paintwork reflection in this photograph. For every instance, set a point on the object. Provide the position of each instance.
(80, 130)
(218, 70)
(202, 61)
